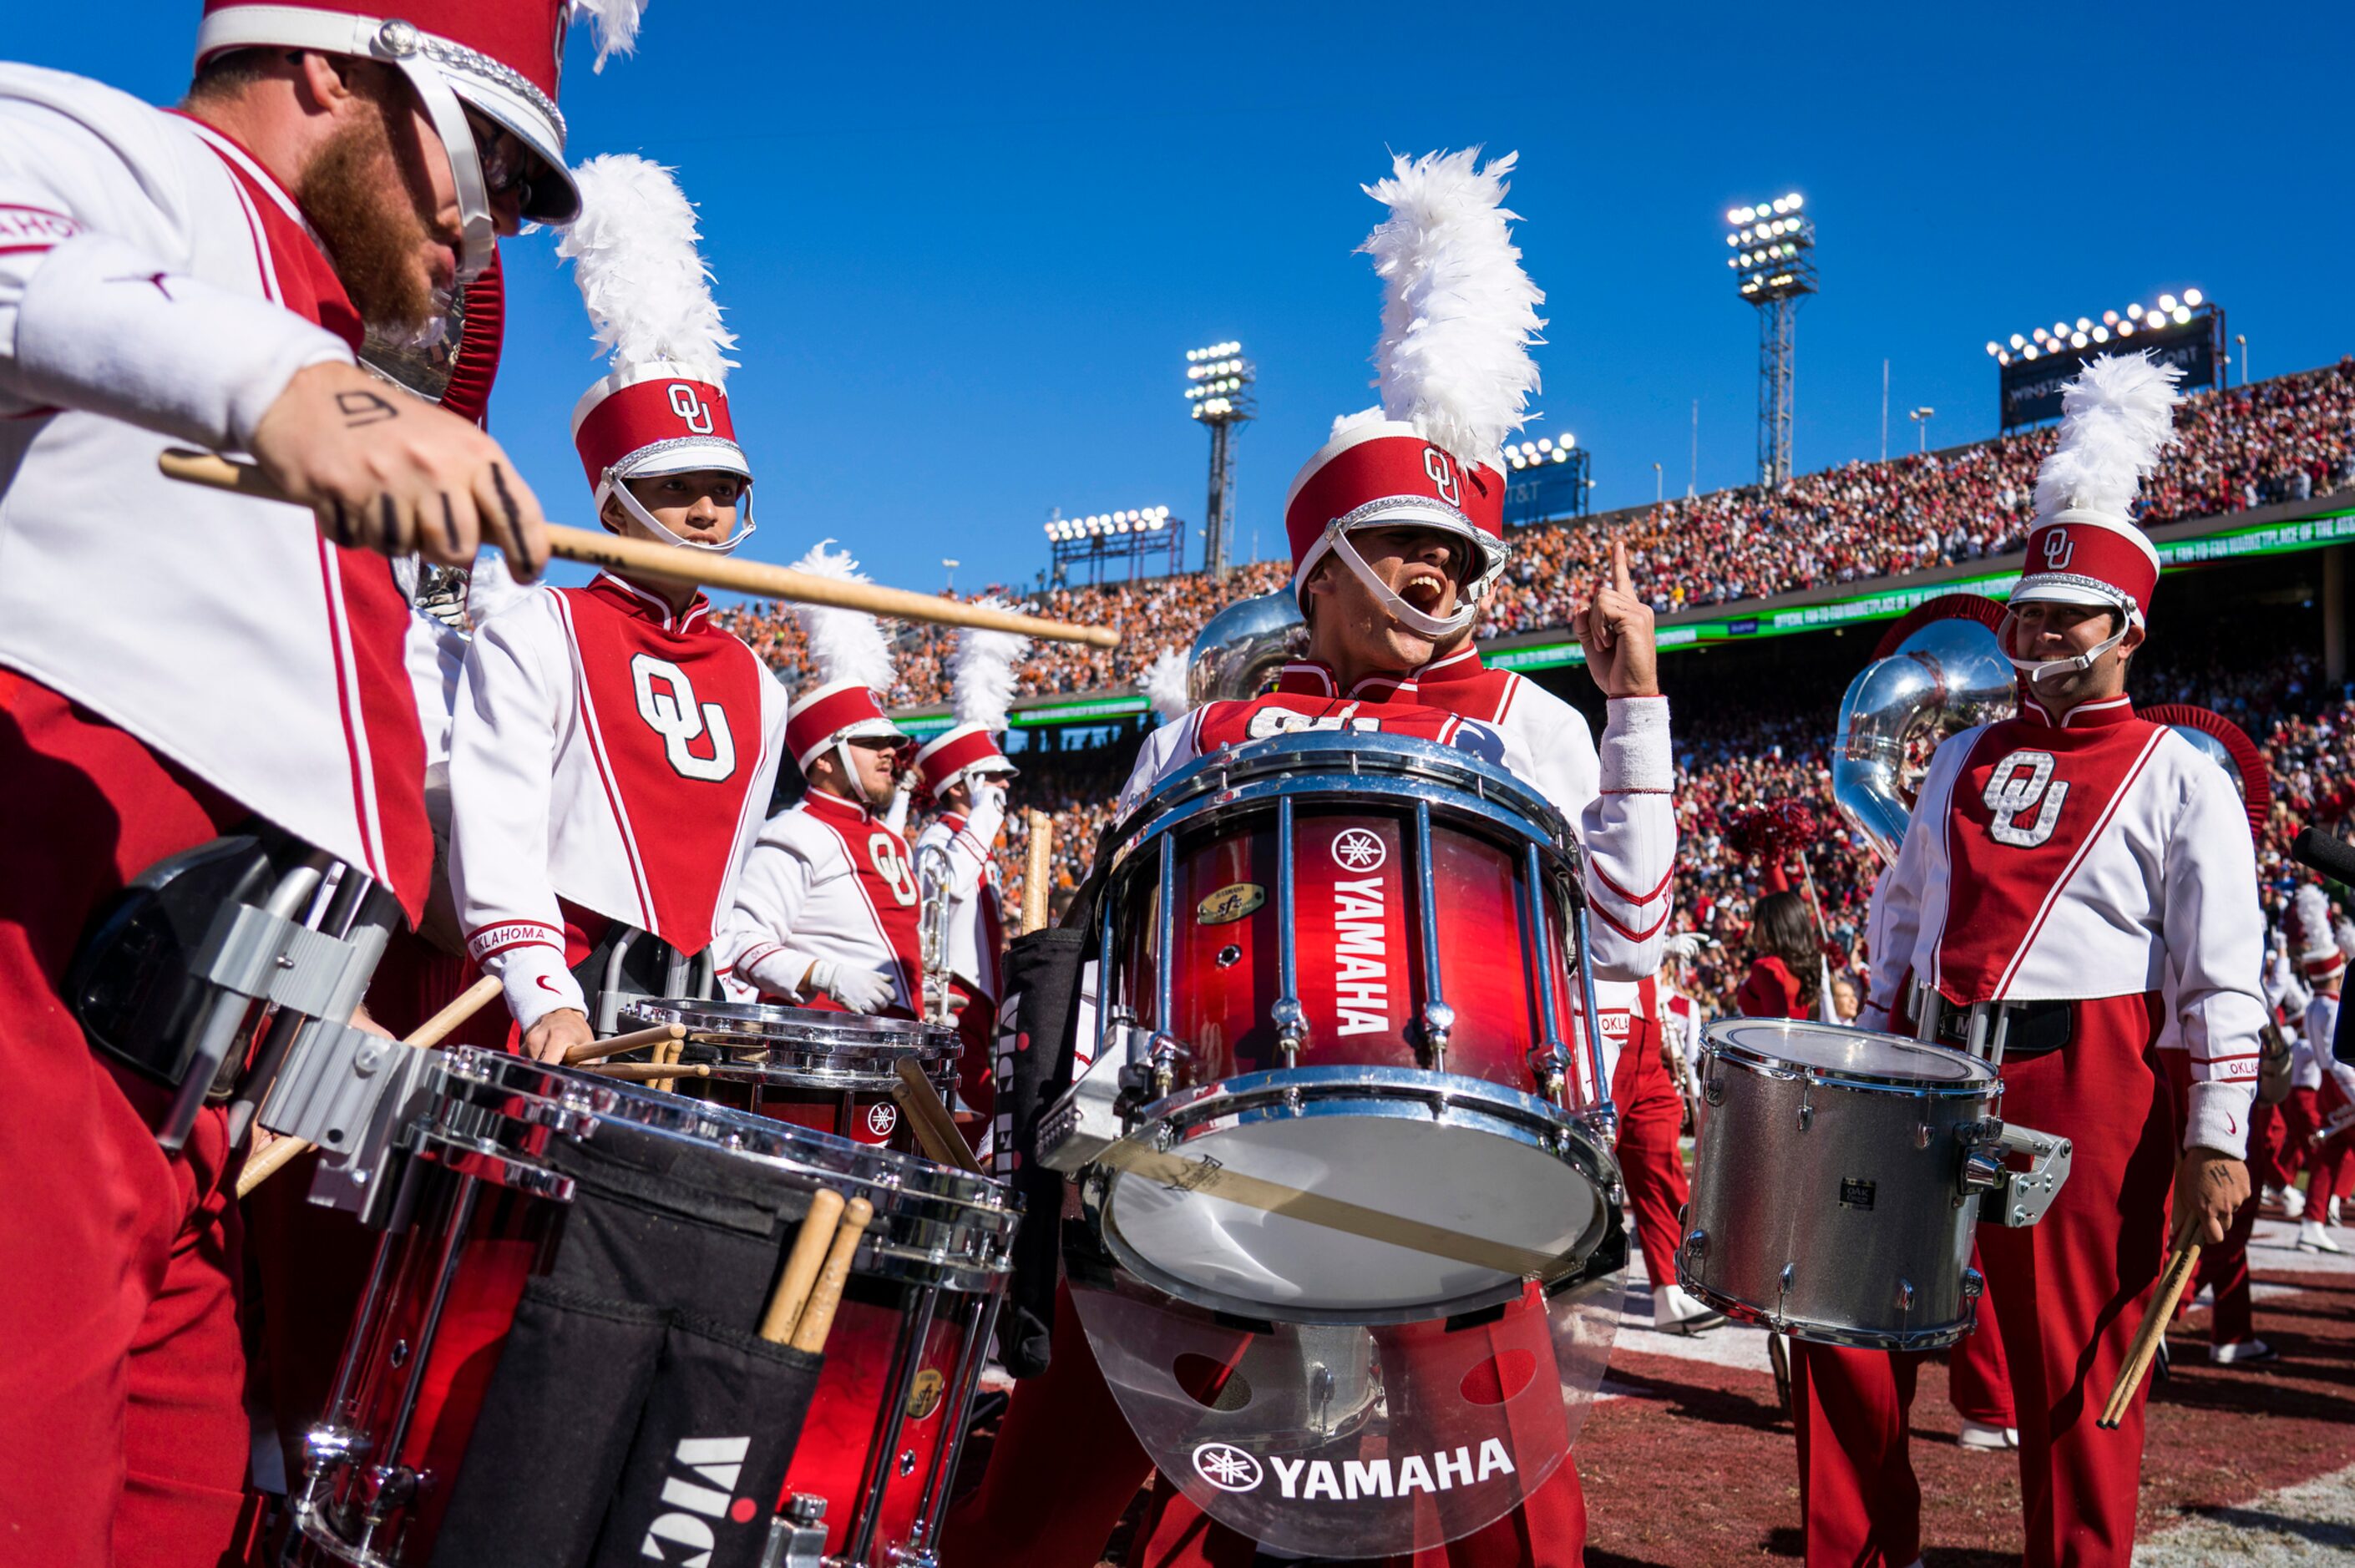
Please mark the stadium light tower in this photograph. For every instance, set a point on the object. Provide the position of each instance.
(1218, 384)
(1774, 261)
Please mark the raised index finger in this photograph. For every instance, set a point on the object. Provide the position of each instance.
(1620, 579)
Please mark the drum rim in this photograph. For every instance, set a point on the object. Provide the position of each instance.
(1980, 1082)
(1359, 757)
(902, 1187)
(765, 1021)
(1933, 1337)
(1473, 1103)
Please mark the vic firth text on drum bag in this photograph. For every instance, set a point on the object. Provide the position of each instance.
(1034, 1069)
(632, 1410)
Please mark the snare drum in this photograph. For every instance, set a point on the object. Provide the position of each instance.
(1832, 1197)
(1338, 964)
(494, 1225)
(831, 1071)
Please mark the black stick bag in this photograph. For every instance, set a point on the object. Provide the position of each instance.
(658, 1236)
(1043, 973)
(708, 1462)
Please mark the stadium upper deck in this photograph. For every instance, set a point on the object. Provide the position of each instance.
(2259, 469)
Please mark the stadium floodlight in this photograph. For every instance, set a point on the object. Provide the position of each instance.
(1774, 243)
(1221, 380)
(1922, 417)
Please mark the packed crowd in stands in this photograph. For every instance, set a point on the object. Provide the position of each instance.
(1748, 746)
(2287, 439)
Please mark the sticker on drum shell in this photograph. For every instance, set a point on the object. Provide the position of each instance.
(924, 1397)
(1230, 903)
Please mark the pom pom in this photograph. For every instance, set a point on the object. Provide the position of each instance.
(1775, 831)
(844, 644)
(983, 677)
(2116, 417)
(632, 253)
(1164, 684)
(612, 27)
(1458, 313)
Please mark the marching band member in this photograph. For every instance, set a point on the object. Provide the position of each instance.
(2330, 1103)
(613, 751)
(205, 277)
(2061, 871)
(965, 773)
(825, 908)
(1397, 531)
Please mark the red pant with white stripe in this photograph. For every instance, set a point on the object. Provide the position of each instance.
(2224, 1267)
(123, 1438)
(2068, 1292)
(1066, 1466)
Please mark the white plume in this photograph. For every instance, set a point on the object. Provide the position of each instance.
(1164, 684)
(983, 678)
(2309, 923)
(845, 644)
(612, 26)
(1458, 313)
(2116, 417)
(632, 253)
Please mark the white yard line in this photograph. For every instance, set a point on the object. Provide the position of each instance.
(2307, 1525)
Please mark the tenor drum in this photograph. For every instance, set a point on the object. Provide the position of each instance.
(831, 1071)
(1834, 1191)
(1335, 971)
(563, 1240)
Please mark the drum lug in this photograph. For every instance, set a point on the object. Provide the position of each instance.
(1807, 1104)
(1922, 1130)
(388, 1487)
(1291, 1021)
(1782, 1289)
(1905, 1294)
(1549, 1066)
(1438, 1024)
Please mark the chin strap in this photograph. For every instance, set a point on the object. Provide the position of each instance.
(630, 503)
(850, 773)
(1406, 614)
(895, 818)
(2038, 670)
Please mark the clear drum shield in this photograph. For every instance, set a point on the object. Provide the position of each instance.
(1356, 1440)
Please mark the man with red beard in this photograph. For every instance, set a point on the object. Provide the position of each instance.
(176, 663)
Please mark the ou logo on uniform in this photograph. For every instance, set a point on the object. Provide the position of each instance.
(667, 702)
(884, 854)
(2020, 782)
(690, 406)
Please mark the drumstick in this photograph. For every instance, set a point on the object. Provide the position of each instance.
(267, 1163)
(817, 1318)
(1036, 870)
(801, 1267)
(653, 1074)
(2144, 1348)
(643, 558)
(936, 1130)
(598, 1050)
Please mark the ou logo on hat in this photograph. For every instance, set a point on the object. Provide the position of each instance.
(1442, 469)
(2059, 550)
(690, 407)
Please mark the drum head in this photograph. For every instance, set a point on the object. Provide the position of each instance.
(1357, 1195)
(1355, 1440)
(1852, 1054)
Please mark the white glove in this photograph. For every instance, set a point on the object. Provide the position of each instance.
(860, 990)
(988, 811)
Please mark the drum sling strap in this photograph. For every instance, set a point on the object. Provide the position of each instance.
(633, 1415)
(1035, 1054)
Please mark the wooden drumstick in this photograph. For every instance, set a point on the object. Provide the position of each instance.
(817, 1318)
(645, 558)
(598, 1050)
(653, 1074)
(267, 1163)
(793, 1292)
(935, 1130)
(1036, 870)
(2144, 1350)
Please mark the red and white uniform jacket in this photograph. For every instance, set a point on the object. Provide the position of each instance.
(609, 761)
(828, 881)
(977, 922)
(2333, 1078)
(157, 288)
(2099, 857)
(1616, 800)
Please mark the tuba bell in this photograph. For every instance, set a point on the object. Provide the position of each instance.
(1940, 668)
(1238, 651)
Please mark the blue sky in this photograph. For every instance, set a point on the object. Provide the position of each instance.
(967, 247)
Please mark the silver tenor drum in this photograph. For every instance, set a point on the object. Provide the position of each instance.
(1838, 1175)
